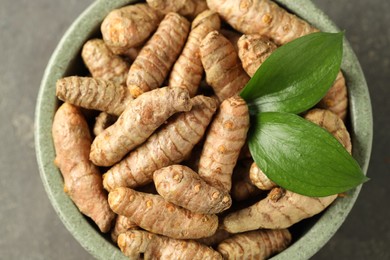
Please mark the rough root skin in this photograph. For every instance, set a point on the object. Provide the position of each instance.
(174, 161)
(259, 244)
(122, 224)
(129, 26)
(232, 36)
(259, 179)
(170, 145)
(188, 70)
(281, 209)
(83, 182)
(139, 120)
(224, 140)
(133, 243)
(153, 213)
(336, 99)
(90, 93)
(156, 58)
(224, 72)
(333, 124)
(219, 236)
(253, 50)
(266, 18)
(262, 17)
(131, 54)
(187, 8)
(184, 187)
(104, 64)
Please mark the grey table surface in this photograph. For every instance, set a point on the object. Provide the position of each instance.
(29, 227)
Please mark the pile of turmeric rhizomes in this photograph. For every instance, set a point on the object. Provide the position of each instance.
(170, 137)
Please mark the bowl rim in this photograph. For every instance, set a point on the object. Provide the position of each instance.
(88, 236)
(361, 133)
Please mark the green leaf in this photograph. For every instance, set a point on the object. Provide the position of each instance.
(301, 156)
(296, 75)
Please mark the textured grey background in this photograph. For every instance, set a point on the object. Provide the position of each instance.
(29, 227)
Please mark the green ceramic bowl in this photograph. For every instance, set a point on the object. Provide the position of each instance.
(310, 235)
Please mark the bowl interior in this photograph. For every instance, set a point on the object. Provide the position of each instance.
(310, 235)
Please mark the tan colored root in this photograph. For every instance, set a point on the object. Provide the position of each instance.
(122, 224)
(82, 179)
(253, 50)
(232, 36)
(225, 138)
(187, 249)
(104, 64)
(130, 55)
(102, 122)
(187, 8)
(242, 187)
(281, 209)
(259, 179)
(336, 99)
(184, 187)
(259, 244)
(156, 58)
(263, 17)
(129, 26)
(134, 243)
(333, 124)
(90, 93)
(215, 239)
(170, 145)
(224, 72)
(155, 214)
(266, 18)
(139, 120)
(188, 70)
